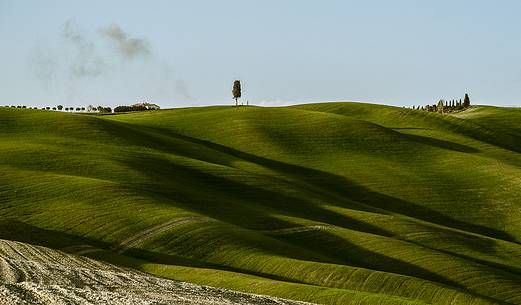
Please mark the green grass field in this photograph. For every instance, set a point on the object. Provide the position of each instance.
(333, 203)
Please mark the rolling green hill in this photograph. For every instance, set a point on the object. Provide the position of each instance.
(334, 203)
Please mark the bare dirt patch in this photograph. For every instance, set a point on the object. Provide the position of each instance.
(38, 275)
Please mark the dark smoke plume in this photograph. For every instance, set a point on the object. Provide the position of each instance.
(129, 48)
(82, 60)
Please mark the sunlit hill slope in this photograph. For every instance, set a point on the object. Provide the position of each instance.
(333, 203)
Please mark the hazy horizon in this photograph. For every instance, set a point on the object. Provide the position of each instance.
(179, 54)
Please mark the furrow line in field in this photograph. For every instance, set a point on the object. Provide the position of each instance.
(295, 230)
(154, 231)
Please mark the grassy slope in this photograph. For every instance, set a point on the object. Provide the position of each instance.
(335, 203)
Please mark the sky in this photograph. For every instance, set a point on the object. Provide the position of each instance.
(188, 53)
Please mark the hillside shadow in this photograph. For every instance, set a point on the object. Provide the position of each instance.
(167, 259)
(483, 133)
(330, 187)
(409, 128)
(18, 231)
(362, 257)
(236, 202)
(510, 271)
(11, 229)
(437, 143)
(356, 255)
(162, 141)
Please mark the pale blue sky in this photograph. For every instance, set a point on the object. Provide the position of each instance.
(189, 52)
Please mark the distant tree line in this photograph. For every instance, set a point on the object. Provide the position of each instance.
(446, 106)
(137, 107)
(130, 108)
(99, 109)
(90, 108)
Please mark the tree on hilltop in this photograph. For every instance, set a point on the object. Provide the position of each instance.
(236, 91)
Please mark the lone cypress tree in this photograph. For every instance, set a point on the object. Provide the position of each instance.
(236, 91)
(466, 100)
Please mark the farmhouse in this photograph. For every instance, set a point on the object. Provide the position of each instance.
(147, 105)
